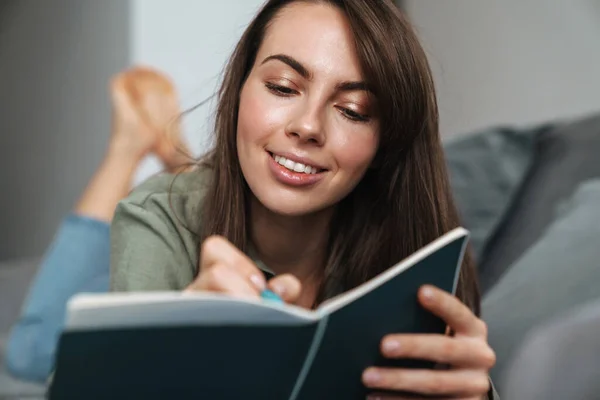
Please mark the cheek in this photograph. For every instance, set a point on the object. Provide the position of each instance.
(258, 115)
(355, 152)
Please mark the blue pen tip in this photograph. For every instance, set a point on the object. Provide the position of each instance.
(270, 295)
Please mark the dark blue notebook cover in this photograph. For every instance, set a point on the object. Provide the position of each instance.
(319, 356)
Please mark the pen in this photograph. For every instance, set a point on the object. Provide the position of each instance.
(270, 296)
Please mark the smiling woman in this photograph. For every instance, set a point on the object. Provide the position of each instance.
(305, 101)
(327, 169)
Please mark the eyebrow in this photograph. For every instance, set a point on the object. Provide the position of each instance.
(295, 64)
(353, 86)
(347, 86)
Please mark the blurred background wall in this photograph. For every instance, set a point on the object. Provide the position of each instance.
(510, 61)
(191, 40)
(56, 58)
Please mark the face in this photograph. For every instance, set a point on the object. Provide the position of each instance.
(307, 125)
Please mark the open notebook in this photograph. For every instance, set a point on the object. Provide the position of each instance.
(209, 346)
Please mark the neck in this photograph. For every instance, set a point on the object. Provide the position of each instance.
(294, 245)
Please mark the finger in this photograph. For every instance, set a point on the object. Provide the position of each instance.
(218, 250)
(414, 397)
(287, 286)
(459, 352)
(387, 396)
(222, 279)
(456, 314)
(459, 382)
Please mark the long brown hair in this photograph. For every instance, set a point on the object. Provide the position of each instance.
(403, 203)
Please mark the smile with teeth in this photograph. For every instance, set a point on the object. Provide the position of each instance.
(295, 166)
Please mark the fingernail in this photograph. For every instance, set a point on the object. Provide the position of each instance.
(279, 289)
(258, 281)
(371, 376)
(390, 346)
(427, 293)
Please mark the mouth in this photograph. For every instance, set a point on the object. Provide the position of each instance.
(295, 166)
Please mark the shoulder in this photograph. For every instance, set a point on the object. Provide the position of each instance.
(154, 233)
(178, 196)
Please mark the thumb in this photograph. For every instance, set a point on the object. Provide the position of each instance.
(286, 286)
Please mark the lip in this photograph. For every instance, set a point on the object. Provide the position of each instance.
(292, 178)
(298, 159)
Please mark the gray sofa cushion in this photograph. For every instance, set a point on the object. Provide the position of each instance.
(487, 169)
(560, 271)
(559, 360)
(566, 155)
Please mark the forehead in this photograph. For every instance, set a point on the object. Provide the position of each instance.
(317, 35)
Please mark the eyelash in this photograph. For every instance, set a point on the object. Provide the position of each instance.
(284, 91)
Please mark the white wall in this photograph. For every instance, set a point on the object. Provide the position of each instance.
(191, 41)
(56, 58)
(511, 61)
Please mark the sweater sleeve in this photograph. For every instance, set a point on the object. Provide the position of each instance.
(77, 261)
(148, 247)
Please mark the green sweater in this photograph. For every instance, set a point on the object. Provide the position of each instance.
(154, 245)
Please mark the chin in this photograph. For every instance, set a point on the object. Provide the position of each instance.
(290, 206)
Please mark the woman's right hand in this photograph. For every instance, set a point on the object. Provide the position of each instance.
(225, 269)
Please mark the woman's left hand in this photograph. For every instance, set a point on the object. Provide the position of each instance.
(467, 352)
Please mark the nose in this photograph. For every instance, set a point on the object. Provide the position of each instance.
(307, 126)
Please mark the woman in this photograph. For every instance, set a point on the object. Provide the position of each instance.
(327, 169)
(144, 102)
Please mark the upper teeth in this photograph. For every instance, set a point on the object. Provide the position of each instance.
(295, 166)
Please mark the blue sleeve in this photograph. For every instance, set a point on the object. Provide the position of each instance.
(77, 261)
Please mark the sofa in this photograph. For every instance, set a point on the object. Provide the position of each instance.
(528, 196)
(571, 370)
(531, 198)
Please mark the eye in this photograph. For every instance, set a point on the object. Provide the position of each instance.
(353, 115)
(279, 90)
